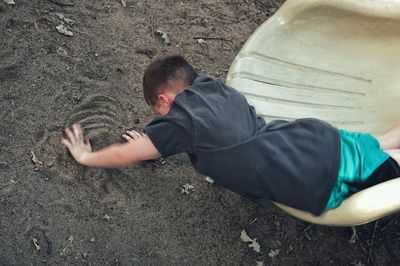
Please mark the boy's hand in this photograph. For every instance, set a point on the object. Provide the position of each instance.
(77, 146)
(132, 135)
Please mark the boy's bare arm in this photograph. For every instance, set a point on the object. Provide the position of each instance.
(138, 148)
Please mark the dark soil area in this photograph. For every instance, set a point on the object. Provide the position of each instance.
(137, 215)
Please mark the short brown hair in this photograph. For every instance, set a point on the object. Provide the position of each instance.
(163, 69)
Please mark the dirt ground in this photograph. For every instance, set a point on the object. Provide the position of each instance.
(137, 215)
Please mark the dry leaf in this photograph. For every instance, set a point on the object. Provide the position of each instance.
(37, 246)
(186, 189)
(123, 3)
(245, 237)
(35, 159)
(163, 36)
(64, 30)
(107, 217)
(255, 246)
(253, 242)
(209, 180)
(201, 41)
(273, 253)
(10, 2)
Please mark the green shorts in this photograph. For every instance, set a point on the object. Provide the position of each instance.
(360, 156)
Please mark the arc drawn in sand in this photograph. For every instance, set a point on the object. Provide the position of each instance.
(99, 114)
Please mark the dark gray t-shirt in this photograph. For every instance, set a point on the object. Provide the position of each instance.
(294, 163)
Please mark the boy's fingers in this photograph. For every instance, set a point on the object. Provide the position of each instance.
(130, 133)
(133, 131)
(87, 143)
(70, 135)
(133, 134)
(66, 143)
(127, 138)
(77, 131)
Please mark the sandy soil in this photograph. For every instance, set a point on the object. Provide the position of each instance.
(134, 216)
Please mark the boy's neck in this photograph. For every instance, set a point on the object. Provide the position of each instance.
(176, 86)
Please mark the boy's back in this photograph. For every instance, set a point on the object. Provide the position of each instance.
(207, 115)
(294, 163)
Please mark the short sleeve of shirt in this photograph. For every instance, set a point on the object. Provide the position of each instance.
(171, 134)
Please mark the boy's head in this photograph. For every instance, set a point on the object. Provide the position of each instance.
(163, 79)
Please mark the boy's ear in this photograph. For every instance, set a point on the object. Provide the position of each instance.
(163, 99)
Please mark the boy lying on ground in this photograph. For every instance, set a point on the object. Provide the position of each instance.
(306, 164)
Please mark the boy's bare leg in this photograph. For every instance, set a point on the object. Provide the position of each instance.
(395, 154)
(391, 139)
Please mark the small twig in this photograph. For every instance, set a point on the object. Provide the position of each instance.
(354, 235)
(255, 219)
(361, 245)
(372, 241)
(308, 228)
(152, 27)
(212, 38)
(389, 223)
(63, 3)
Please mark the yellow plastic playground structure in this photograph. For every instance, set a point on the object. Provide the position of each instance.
(335, 60)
